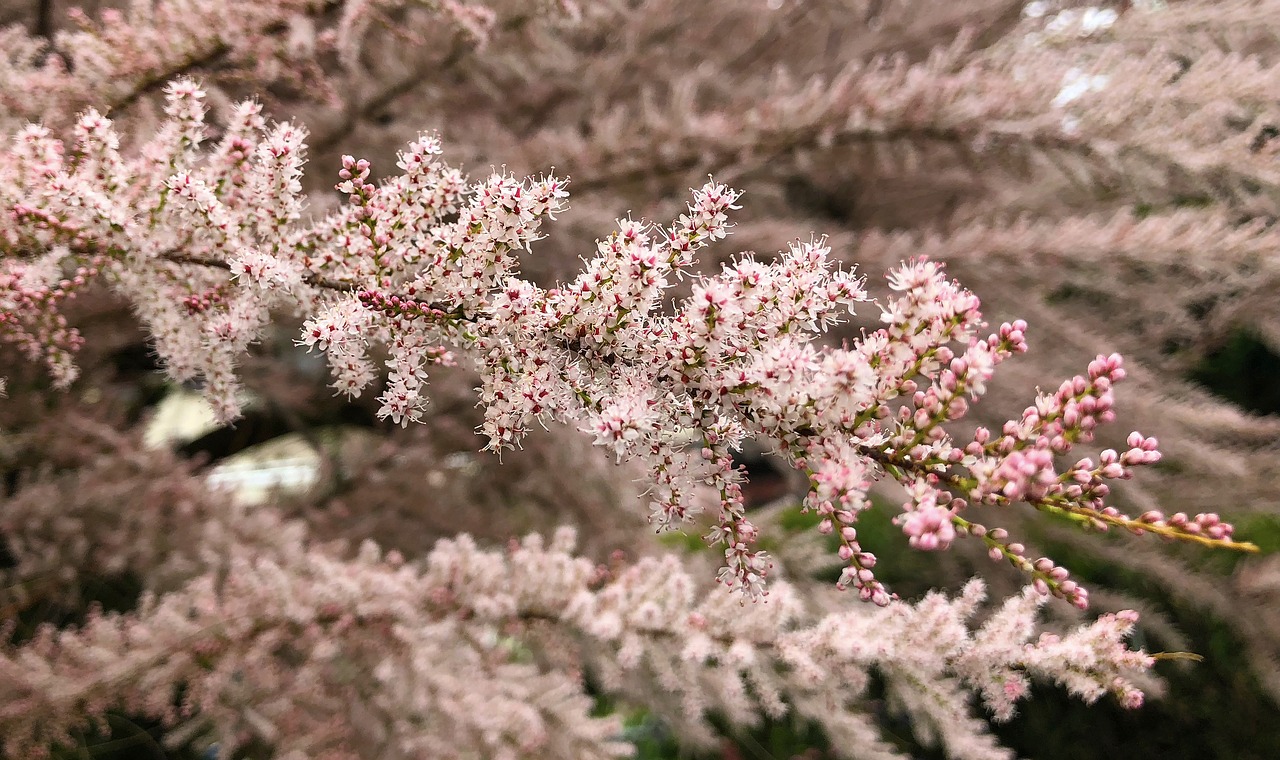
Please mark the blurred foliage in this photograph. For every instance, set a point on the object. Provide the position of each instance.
(1243, 371)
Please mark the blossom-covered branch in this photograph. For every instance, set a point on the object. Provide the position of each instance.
(206, 243)
(321, 655)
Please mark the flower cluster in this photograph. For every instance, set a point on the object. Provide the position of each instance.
(323, 654)
(425, 265)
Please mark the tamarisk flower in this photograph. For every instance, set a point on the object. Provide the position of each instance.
(426, 265)
(321, 653)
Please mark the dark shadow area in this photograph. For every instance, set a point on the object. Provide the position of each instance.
(1244, 371)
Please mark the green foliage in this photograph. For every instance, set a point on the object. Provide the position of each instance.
(1263, 530)
(772, 740)
(683, 541)
(1244, 371)
(1075, 293)
(1144, 210)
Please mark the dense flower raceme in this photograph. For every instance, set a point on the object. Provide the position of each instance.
(277, 640)
(205, 243)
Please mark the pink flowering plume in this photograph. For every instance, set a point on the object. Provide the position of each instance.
(208, 242)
